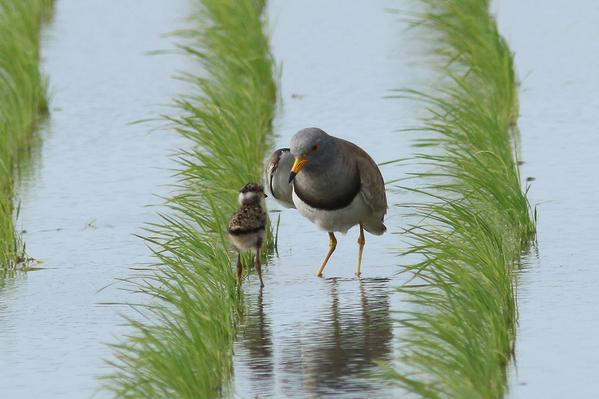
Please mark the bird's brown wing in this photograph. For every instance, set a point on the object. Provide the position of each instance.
(248, 218)
(371, 179)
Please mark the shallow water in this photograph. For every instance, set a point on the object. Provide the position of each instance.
(84, 195)
(317, 337)
(557, 59)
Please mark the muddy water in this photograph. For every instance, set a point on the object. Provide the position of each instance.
(316, 337)
(557, 348)
(85, 195)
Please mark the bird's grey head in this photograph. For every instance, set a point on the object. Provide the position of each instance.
(251, 193)
(311, 146)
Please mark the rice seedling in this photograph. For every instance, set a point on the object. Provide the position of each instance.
(182, 347)
(22, 101)
(474, 219)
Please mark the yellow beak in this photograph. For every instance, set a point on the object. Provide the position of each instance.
(298, 165)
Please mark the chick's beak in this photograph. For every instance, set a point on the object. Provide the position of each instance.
(298, 165)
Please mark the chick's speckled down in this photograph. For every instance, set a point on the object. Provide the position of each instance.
(247, 219)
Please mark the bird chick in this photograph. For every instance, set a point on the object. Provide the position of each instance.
(247, 228)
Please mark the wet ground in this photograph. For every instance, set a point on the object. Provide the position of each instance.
(85, 193)
(557, 61)
(320, 337)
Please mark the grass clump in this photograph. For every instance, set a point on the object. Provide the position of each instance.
(22, 100)
(475, 218)
(182, 348)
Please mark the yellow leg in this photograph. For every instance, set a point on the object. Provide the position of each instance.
(332, 246)
(361, 242)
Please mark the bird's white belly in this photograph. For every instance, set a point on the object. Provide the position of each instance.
(243, 242)
(340, 220)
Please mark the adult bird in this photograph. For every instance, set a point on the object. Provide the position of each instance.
(276, 177)
(336, 185)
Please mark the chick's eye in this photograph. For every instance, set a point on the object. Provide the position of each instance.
(315, 147)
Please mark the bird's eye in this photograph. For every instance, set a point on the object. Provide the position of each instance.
(315, 147)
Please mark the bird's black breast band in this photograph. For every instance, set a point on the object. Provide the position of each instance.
(239, 231)
(330, 204)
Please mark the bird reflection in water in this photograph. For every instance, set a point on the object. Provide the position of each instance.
(256, 338)
(335, 353)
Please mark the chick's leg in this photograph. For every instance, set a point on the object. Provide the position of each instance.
(239, 268)
(259, 267)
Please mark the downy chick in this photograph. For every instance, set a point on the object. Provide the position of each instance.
(247, 228)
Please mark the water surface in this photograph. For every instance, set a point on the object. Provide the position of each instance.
(305, 336)
(86, 193)
(557, 59)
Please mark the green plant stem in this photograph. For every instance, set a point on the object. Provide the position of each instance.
(476, 219)
(22, 101)
(183, 346)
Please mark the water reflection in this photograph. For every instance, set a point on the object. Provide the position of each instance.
(8, 279)
(256, 338)
(333, 353)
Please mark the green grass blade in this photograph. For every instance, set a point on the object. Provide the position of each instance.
(182, 347)
(23, 100)
(475, 217)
